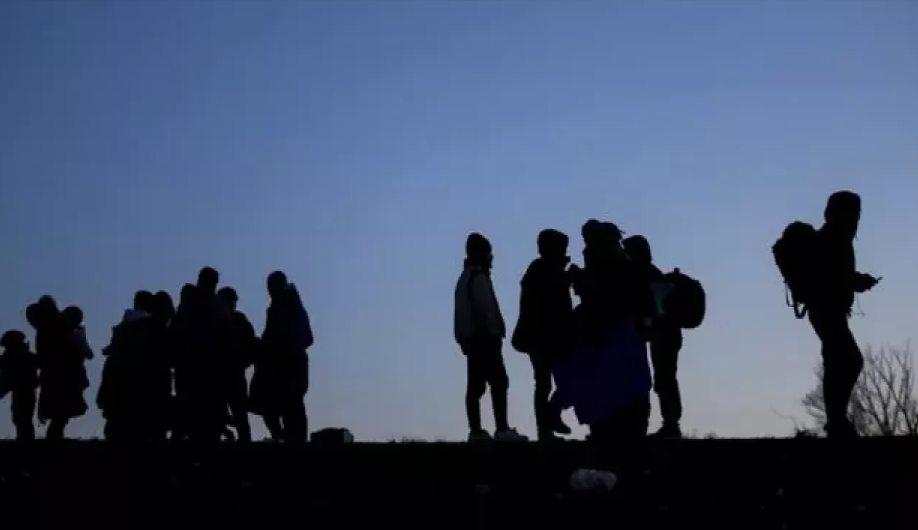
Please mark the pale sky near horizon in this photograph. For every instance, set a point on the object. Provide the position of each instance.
(354, 144)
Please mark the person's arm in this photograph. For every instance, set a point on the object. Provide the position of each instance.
(484, 305)
(864, 282)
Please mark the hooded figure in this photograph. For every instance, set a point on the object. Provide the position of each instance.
(135, 388)
(839, 282)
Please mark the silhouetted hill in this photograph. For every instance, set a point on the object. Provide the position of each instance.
(738, 484)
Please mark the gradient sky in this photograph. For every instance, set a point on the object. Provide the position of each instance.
(355, 144)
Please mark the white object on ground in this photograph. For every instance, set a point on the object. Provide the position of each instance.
(593, 479)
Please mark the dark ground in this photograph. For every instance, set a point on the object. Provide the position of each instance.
(736, 484)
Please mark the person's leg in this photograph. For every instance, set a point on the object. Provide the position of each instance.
(273, 424)
(499, 383)
(23, 414)
(664, 356)
(476, 385)
(842, 364)
(56, 428)
(296, 428)
(541, 370)
(239, 408)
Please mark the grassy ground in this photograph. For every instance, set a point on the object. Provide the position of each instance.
(737, 484)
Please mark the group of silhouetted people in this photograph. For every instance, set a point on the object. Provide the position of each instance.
(169, 372)
(619, 285)
(181, 372)
(616, 284)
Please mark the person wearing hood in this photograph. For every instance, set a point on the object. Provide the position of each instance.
(130, 395)
(544, 325)
(829, 311)
(479, 329)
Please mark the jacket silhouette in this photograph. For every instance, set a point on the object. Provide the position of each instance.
(19, 378)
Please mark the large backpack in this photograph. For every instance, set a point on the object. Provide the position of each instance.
(686, 303)
(796, 253)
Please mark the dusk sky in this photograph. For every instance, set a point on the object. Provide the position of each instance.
(355, 144)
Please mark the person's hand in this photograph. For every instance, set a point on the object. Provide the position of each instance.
(865, 282)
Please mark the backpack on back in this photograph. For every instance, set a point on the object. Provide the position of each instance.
(796, 254)
(686, 303)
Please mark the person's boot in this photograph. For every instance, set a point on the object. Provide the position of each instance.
(841, 430)
(479, 435)
(669, 430)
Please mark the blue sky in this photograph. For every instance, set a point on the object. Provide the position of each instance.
(355, 144)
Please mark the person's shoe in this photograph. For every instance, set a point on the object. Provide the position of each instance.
(670, 430)
(842, 431)
(479, 436)
(510, 435)
(549, 438)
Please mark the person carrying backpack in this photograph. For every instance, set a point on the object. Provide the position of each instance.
(544, 325)
(819, 270)
(479, 330)
(665, 332)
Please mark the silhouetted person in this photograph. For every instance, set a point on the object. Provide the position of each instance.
(164, 307)
(544, 327)
(286, 337)
(181, 344)
(73, 319)
(479, 330)
(163, 312)
(612, 290)
(61, 360)
(665, 337)
(830, 308)
(209, 332)
(19, 378)
(239, 356)
(135, 387)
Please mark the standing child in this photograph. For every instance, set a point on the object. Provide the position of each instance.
(19, 377)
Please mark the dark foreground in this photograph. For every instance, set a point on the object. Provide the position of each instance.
(736, 484)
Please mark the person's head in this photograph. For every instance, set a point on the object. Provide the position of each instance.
(277, 283)
(34, 316)
(13, 340)
(552, 244)
(73, 316)
(478, 251)
(591, 231)
(843, 212)
(144, 301)
(228, 296)
(208, 279)
(638, 249)
(42, 312)
(48, 304)
(165, 308)
(187, 293)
